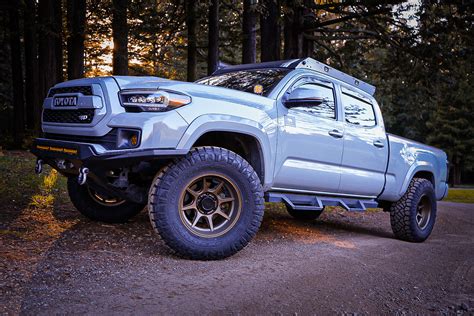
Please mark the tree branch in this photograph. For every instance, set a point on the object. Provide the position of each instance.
(348, 17)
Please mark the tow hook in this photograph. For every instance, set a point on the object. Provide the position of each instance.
(61, 164)
(39, 166)
(82, 178)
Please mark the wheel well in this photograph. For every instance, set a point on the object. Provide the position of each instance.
(425, 175)
(245, 145)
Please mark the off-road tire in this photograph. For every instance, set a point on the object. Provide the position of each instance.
(169, 185)
(403, 212)
(303, 215)
(81, 198)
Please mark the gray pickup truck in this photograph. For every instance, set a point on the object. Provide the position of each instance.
(205, 156)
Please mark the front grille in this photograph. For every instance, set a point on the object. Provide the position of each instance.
(108, 141)
(85, 90)
(81, 116)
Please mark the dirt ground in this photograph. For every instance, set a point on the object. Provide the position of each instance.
(342, 263)
(53, 261)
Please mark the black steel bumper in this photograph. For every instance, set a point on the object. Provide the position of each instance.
(83, 161)
(50, 149)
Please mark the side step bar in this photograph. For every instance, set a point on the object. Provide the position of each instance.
(317, 203)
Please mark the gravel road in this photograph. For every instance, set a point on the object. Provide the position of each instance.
(342, 263)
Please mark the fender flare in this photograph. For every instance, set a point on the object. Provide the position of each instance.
(414, 169)
(229, 123)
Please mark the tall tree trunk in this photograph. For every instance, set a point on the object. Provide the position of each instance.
(298, 31)
(288, 36)
(17, 75)
(76, 19)
(58, 38)
(456, 171)
(192, 40)
(49, 66)
(308, 47)
(120, 34)
(270, 38)
(33, 104)
(249, 40)
(213, 48)
(293, 33)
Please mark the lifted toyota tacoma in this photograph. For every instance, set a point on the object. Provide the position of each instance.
(205, 156)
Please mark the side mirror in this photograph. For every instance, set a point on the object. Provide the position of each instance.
(303, 97)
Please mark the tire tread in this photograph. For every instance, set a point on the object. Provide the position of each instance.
(401, 212)
(163, 182)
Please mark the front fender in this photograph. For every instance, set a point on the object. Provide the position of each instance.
(228, 123)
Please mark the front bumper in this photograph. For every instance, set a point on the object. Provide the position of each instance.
(85, 161)
(90, 154)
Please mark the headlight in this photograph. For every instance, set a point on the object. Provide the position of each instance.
(153, 100)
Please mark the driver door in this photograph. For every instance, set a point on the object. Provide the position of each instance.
(310, 141)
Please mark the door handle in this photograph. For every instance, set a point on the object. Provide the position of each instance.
(379, 143)
(335, 133)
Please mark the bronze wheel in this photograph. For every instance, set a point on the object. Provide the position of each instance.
(104, 200)
(210, 205)
(207, 205)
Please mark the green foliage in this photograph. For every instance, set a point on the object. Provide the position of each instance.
(451, 52)
(422, 70)
(98, 42)
(157, 39)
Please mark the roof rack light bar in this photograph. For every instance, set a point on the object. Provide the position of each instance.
(315, 65)
(308, 63)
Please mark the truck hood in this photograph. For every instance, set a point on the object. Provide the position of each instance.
(194, 90)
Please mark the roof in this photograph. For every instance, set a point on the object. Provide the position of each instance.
(305, 63)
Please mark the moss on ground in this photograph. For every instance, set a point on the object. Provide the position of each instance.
(460, 195)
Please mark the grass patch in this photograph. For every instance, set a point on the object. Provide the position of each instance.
(28, 202)
(45, 198)
(18, 181)
(19, 185)
(460, 195)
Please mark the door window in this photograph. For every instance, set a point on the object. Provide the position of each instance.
(325, 109)
(358, 110)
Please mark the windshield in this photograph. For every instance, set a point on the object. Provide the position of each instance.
(258, 81)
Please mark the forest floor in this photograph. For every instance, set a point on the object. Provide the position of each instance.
(54, 261)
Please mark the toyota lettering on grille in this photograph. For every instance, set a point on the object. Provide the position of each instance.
(65, 101)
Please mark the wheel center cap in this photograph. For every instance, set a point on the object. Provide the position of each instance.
(207, 203)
